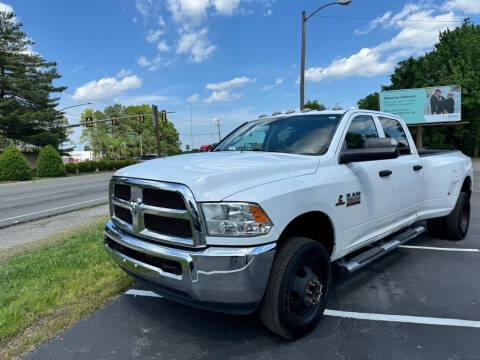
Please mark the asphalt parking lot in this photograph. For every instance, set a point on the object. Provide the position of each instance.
(418, 302)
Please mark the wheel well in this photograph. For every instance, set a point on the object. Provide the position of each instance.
(467, 186)
(314, 225)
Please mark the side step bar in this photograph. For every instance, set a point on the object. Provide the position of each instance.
(366, 257)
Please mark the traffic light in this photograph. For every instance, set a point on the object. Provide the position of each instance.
(164, 116)
(114, 121)
(142, 118)
(89, 122)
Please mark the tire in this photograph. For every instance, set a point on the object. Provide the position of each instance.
(455, 225)
(301, 264)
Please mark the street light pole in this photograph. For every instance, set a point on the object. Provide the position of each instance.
(68, 107)
(302, 62)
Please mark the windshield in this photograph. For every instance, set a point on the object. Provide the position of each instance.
(308, 135)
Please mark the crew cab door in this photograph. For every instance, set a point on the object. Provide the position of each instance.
(407, 176)
(365, 198)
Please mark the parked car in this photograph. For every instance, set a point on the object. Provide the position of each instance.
(257, 222)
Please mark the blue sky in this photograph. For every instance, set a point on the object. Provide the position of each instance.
(227, 59)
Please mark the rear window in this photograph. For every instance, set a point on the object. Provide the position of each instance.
(393, 129)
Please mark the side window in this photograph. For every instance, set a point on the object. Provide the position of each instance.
(361, 128)
(393, 129)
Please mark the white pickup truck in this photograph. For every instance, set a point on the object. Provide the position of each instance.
(257, 222)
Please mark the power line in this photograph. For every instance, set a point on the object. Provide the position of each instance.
(100, 100)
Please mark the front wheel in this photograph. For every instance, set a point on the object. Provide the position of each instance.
(297, 289)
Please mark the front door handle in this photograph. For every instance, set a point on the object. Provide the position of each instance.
(417, 167)
(384, 173)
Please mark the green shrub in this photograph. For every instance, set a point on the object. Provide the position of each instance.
(71, 168)
(103, 165)
(86, 166)
(13, 165)
(34, 172)
(50, 163)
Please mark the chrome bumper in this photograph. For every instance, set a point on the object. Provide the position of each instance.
(217, 278)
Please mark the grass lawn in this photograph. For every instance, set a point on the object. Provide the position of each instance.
(46, 289)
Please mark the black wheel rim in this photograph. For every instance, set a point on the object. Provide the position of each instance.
(465, 217)
(306, 291)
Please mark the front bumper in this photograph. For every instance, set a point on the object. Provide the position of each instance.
(225, 279)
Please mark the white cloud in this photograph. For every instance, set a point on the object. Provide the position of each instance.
(153, 35)
(162, 46)
(143, 61)
(5, 7)
(193, 99)
(364, 63)
(123, 73)
(269, 12)
(107, 88)
(373, 24)
(278, 81)
(197, 44)
(236, 82)
(221, 96)
(413, 39)
(161, 21)
(143, 6)
(193, 11)
(225, 7)
(465, 6)
(152, 64)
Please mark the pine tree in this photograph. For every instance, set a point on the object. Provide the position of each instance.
(27, 110)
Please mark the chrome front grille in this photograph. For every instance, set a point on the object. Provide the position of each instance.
(158, 211)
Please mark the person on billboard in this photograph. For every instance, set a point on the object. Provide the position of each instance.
(435, 102)
(447, 106)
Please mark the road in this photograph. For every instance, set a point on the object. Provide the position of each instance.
(421, 301)
(33, 200)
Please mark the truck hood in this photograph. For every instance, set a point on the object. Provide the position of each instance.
(213, 176)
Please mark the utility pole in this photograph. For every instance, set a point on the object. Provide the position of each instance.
(302, 63)
(141, 145)
(191, 127)
(157, 130)
(218, 126)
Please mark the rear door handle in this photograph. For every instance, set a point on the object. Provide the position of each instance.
(417, 167)
(384, 173)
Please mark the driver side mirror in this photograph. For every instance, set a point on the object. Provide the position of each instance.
(373, 149)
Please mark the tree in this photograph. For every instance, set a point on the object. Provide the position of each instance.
(314, 105)
(455, 60)
(50, 163)
(369, 102)
(123, 140)
(27, 112)
(13, 165)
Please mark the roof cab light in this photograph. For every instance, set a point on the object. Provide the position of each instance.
(235, 219)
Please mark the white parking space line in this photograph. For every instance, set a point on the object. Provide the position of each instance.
(366, 316)
(437, 248)
(136, 292)
(403, 319)
(56, 208)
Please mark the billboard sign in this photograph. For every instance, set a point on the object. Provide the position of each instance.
(425, 105)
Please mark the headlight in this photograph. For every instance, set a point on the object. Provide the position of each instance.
(235, 219)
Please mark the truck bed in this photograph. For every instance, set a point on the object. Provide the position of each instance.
(432, 152)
